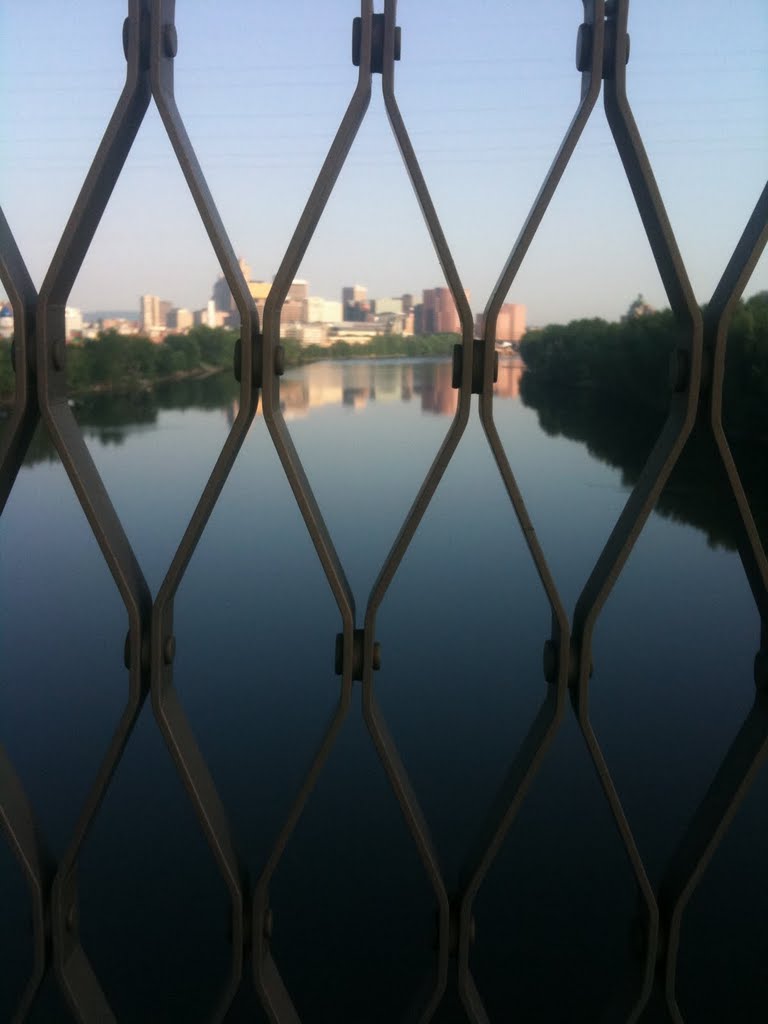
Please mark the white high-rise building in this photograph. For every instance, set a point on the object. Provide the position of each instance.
(322, 311)
(149, 317)
(179, 319)
(73, 322)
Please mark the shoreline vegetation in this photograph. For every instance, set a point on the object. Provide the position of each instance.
(122, 364)
(627, 363)
(625, 360)
(603, 385)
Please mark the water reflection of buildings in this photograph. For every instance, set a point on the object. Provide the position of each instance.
(434, 386)
(356, 384)
(508, 382)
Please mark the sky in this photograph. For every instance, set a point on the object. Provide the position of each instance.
(487, 89)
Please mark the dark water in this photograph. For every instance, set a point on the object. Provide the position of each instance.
(461, 629)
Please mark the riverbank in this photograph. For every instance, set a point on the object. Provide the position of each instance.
(125, 388)
(629, 361)
(128, 364)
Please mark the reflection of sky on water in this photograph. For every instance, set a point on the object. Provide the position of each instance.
(462, 631)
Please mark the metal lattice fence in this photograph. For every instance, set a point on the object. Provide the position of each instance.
(696, 385)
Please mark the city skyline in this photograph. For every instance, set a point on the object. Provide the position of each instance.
(311, 319)
(357, 312)
(486, 100)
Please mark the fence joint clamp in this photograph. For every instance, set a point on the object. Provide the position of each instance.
(478, 366)
(377, 42)
(237, 360)
(358, 649)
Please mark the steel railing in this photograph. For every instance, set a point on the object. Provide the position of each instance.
(696, 384)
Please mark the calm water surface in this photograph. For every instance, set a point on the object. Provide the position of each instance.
(461, 630)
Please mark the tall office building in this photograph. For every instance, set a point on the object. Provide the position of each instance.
(154, 310)
(394, 306)
(179, 319)
(245, 268)
(73, 322)
(149, 317)
(509, 327)
(354, 293)
(437, 313)
(208, 317)
(322, 311)
(298, 291)
(355, 305)
(222, 296)
(259, 292)
(294, 309)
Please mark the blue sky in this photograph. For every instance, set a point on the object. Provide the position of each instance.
(487, 88)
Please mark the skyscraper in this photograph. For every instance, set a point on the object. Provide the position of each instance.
(510, 325)
(149, 317)
(354, 301)
(294, 309)
(222, 296)
(154, 310)
(438, 313)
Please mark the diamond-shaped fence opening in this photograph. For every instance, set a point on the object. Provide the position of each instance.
(375, 48)
(455, 665)
(343, 477)
(328, 888)
(26, 876)
(723, 940)
(70, 583)
(678, 586)
(434, 386)
(260, 741)
(574, 911)
(163, 884)
(55, 732)
(734, 345)
(118, 382)
(601, 53)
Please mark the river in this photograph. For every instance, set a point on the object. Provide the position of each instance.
(461, 632)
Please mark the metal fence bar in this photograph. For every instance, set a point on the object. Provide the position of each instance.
(704, 834)
(25, 415)
(717, 321)
(20, 829)
(169, 712)
(16, 816)
(77, 979)
(686, 369)
(685, 379)
(427, 1001)
(269, 983)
